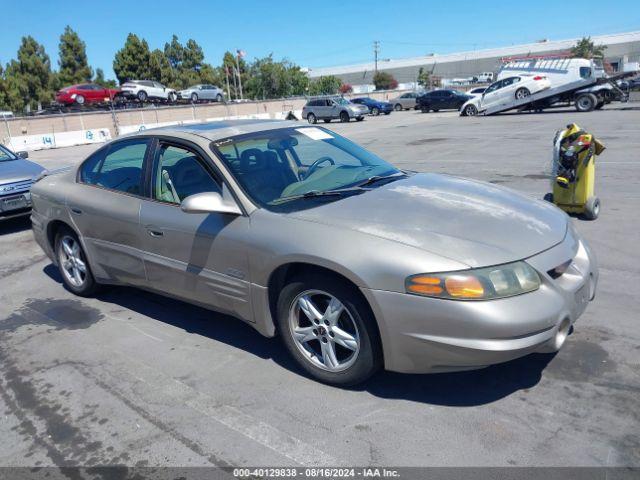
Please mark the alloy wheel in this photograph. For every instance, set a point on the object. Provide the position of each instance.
(324, 330)
(74, 267)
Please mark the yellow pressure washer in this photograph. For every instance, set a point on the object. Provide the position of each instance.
(573, 172)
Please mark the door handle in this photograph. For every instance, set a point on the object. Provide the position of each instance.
(155, 233)
(76, 210)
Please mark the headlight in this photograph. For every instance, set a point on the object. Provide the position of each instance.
(476, 284)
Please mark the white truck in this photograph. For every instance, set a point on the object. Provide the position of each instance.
(577, 81)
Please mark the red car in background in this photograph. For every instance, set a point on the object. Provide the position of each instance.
(86, 93)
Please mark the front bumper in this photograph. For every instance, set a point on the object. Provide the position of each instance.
(422, 334)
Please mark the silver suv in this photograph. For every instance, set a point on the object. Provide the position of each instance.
(330, 108)
(16, 178)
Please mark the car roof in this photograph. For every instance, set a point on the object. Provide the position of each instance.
(220, 129)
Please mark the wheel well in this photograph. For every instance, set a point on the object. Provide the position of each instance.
(285, 273)
(52, 231)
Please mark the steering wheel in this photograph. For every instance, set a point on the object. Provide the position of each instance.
(314, 166)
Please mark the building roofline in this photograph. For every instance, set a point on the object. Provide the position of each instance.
(537, 47)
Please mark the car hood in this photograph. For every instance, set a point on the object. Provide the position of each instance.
(472, 222)
(16, 170)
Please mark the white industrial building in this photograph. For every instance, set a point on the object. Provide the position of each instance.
(622, 48)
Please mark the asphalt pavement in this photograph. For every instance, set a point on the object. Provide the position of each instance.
(135, 379)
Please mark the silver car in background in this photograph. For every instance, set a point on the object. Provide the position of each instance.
(17, 175)
(333, 108)
(406, 101)
(301, 233)
(203, 92)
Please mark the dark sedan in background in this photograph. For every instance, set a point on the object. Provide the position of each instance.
(442, 100)
(16, 178)
(376, 107)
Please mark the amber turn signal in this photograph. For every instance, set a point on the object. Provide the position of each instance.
(464, 286)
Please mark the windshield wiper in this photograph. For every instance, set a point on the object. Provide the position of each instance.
(315, 194)
(377, 178)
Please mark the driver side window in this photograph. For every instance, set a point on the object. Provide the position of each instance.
(179, 173)
(493, 87)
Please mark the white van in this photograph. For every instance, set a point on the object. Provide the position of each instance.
(485, 77)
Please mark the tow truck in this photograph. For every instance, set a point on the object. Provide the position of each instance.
(578, 81)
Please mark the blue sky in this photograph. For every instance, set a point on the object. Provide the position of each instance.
(310, 33)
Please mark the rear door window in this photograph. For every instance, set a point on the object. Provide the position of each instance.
(119, 168)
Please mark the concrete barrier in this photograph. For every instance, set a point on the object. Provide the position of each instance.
(56, 140)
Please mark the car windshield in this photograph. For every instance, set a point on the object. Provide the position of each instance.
(281, 166)
(342, 101)
(6, 155)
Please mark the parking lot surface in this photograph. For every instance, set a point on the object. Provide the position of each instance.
(132, 378)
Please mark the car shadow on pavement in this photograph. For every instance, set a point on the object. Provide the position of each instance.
(461, 389)
(15, 225)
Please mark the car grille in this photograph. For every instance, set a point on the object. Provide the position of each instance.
(15, 187)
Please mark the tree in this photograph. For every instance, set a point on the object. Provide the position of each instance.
(4, 101)
(74, 67)
(585, 48)
(160, 68)
(384, 81)
(27, 79)
(100, 80)
(324, 85)
(229, 64)
(132, 61)
(271, 79)
(424, 78)
(174, 52)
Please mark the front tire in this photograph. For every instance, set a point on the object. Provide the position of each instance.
(80, 100)
(586, 102)
(142, 96)
(470, 111)
(72, 264)
(397, 107)
(329, 329)
(219, 98)
(194, 98)
(344, 117)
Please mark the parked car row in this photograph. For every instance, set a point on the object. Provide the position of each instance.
(138, 90)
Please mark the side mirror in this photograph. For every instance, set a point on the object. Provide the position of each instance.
(23, 154)
(209, 202)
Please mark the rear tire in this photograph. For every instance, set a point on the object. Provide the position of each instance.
(586, 102)
(375, 111)
(320, 344)
(592, 208)
(522, 93)
(311, 118)
(73, 265)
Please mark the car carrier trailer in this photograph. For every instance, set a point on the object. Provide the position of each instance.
(576, 81)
